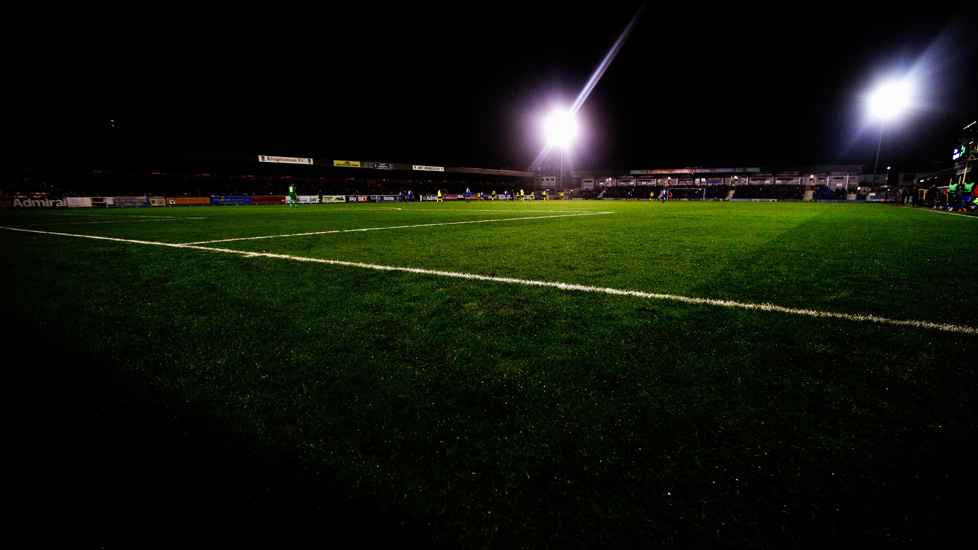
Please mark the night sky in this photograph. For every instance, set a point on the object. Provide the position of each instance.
(451, 85)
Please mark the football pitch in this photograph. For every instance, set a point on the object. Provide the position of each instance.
(568, 374)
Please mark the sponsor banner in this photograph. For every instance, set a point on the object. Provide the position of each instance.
(126, 202)
(717, 170)
(23, 202)
(382, 166)
(334, 198)
(423, 168)
(78, 202)
(284, 160)
(446, 197)
(268, 199)
(363, 198)
(187, 201)
(219, 200)
(661, 172)
(752, 170)
(308, 199)
(384, 198)
(351, 198)
(347, 163)
(877, 197)
(157, 201)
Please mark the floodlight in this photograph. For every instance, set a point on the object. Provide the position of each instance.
(885, 104)
(890, 99)
(561, 128)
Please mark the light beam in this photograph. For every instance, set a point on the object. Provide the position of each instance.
(595, 77)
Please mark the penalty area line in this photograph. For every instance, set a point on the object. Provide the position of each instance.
(543, 284)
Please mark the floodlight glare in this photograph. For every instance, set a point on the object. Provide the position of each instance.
(561, 128)
(890, 99)
(885, 104)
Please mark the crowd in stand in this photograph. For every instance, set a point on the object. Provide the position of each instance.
(823, 193)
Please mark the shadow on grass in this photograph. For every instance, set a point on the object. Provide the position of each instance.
(104, 462)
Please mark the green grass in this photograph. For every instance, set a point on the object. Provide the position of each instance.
(478, 414)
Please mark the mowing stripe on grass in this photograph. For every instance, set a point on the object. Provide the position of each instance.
(547, 284)
(393, 227)
(101, 222)
(496, 210)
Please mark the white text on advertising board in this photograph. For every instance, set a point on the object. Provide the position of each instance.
(284, 160)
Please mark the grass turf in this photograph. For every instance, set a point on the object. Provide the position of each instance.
(167, 390)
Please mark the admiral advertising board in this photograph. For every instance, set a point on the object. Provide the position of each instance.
(24, 202)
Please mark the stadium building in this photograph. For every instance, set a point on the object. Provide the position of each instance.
(784, 183)
(116, 171)
(106, 171)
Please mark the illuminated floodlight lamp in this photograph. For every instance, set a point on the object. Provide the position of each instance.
(886, 103)
(561, 128)
(890, 99)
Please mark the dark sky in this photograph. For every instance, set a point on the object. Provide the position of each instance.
(451, 85)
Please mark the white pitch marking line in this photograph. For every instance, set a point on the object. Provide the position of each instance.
(394, 227)
(547, 284)
(945, 212)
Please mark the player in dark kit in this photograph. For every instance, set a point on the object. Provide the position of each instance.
(967, 191)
